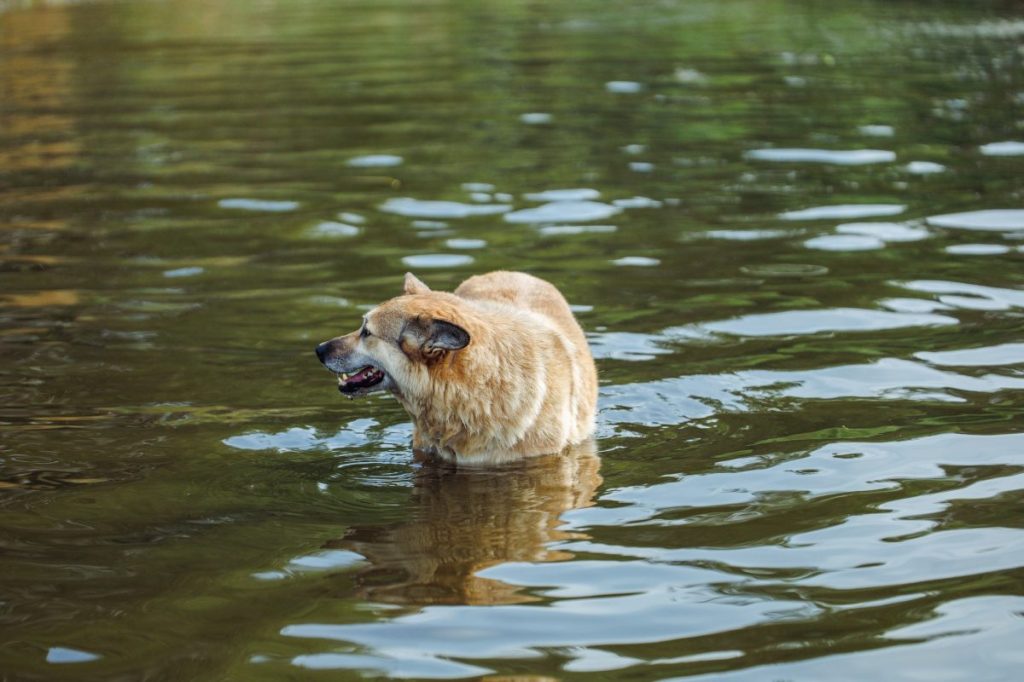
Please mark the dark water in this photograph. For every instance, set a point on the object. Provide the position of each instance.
(810, 459)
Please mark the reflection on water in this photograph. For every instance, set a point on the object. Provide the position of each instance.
(463, 522)
(792, 232)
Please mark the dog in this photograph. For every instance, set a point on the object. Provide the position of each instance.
(494, 372)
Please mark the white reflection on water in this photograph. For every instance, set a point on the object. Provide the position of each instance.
(866, 236)
(997, 219)
(843, 212)
(626, 346)
(437, 260)
(841, 242)
(429, 224)
(376, 161)
(924, 167)
(580, 194)
(745, 235)
(888, 232)
(184, 272)
(1008, 148)
(63, 655)
(564, 211)
(637, 202)
(325, 560)
(877, 130)
(987, 356)
(959, 293)
(417, 208)
(333, 228)
(459, 243)
(623, 87)
(977, 249)
(636, 261)
(478, 187)
(850, 157)
(536, 118)
(352, 218)
(557, 230)
(259, 205)
(795, 322)
(406, 665)
(913, 305)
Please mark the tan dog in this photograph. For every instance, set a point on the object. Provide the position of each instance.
(497, 371)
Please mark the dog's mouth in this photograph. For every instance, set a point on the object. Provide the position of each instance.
(360, 380)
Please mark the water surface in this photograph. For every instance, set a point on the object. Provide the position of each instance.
(793, 232)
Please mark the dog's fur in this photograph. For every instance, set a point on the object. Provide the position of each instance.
(497, 371)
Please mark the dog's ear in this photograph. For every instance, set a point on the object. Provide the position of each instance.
(414, 285)
(431, 338)
(446, 336)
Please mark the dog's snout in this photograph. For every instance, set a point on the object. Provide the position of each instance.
(322, 350)
(331, 351)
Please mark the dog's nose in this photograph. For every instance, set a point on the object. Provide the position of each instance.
(321, 351)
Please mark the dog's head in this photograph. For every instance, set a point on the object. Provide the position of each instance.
(398, 342)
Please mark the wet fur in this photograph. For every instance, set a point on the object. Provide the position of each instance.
(496, 371)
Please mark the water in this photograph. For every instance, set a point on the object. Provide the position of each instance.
(792, 230)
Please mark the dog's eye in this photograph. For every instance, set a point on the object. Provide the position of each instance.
(364, 332)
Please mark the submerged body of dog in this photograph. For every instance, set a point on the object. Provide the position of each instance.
(496, 371)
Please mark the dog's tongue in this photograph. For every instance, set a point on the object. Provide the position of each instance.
(361, 374)
(362, 380)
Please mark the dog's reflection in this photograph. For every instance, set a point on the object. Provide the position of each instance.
(463, 521)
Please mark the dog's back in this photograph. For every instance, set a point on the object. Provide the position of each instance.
(526, 292)
(531, 293)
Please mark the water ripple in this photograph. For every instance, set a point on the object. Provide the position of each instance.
(417, 208)
(563, 211)
(676, 400)
(259, 205)
(987, 356)
(839, 242)
(437, 260)
(438, 633)
(581, 194)
(796, 322)
(887, 232)
(844, 211)
(853, 157)
(810, 459)
(1008, 148)
(961, 294)
(376, 161)
(999, 220)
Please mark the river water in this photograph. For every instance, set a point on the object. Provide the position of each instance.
(794, 232)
